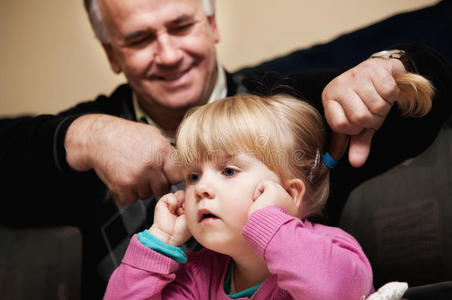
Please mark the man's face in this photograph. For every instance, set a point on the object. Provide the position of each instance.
(166, 49)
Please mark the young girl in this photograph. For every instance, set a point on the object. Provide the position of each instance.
(253, 177)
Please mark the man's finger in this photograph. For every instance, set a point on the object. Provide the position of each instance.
(360, 147)
(127, 197)
(172, 168)
(337, 119)
(159, 184)
(144, 191)
(387, 88)
(358, 113)
(375, 103)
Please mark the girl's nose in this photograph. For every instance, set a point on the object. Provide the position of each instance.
(204, 191)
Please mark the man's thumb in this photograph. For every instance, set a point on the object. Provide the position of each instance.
(173, 167)
(360, 147)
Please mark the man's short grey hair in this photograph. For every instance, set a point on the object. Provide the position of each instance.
(95, 17)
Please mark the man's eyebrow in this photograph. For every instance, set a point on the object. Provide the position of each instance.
(133, 35)
(182, 19)
(179, 20)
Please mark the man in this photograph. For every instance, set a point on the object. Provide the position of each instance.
(166, 50)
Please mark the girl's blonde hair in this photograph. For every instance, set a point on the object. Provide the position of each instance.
(285, 133)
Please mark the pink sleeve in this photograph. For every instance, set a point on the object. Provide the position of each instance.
(311, 261)
(142, 274)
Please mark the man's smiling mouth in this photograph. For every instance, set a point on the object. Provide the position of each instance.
(171, 76)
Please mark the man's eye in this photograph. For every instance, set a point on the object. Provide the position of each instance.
(229, 171)
(181, 28)
(140, 41)
(137, 42)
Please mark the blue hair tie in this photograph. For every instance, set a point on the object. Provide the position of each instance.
(329, 161)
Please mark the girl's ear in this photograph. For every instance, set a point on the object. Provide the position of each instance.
(297, 190)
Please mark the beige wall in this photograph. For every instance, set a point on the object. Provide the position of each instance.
(50, 60)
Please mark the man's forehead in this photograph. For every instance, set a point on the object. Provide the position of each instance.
(117, 8)
(123, 17)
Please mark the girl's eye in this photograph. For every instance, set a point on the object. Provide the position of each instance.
(193, 178)
(229, 171)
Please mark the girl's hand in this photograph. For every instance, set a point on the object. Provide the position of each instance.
(170, 225)
(268, 193)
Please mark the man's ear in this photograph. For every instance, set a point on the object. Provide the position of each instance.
(296, 188)
(112, 58)
(213, 26)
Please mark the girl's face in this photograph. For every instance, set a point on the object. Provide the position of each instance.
(218, 196)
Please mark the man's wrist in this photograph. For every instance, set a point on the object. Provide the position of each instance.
(396, 54)
(77, 142)
(59, 143)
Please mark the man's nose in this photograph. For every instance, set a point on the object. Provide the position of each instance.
(168, 52)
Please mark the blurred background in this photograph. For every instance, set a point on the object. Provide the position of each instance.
(50, 59)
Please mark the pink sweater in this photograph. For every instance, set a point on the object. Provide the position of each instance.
(307, 261)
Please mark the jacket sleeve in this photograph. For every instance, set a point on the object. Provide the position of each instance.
(40, 139)
(35, 173)
(310, 261)
(32, 176)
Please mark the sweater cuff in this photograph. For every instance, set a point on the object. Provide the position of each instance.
(141, 257)
(58, 144)
(262, 226)
(150, 241)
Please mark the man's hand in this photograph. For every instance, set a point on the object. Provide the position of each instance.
(357, 102)
(170, 225)
(268, 193)
(133, 159)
